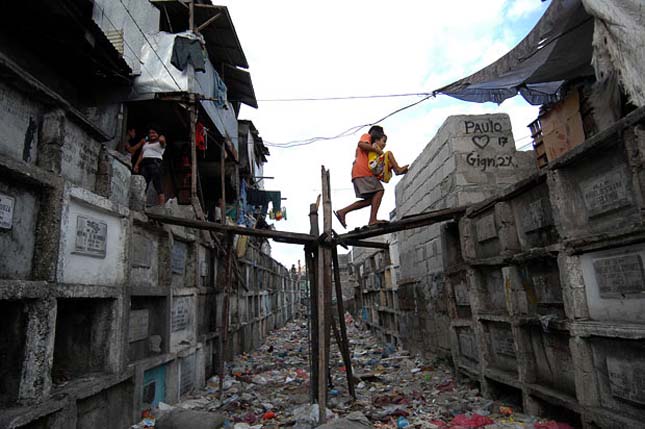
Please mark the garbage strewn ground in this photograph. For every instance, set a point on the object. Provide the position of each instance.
(270, 389)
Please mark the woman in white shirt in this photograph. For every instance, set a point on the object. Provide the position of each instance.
(149, 162)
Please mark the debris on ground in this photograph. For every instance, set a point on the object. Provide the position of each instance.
(269, 389)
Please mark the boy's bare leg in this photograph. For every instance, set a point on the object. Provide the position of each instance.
(376, 203)
(353, 206)
(395, 166)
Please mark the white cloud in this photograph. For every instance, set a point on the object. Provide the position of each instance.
(302, 49)
(522, 8)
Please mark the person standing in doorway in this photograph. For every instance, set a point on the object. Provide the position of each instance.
(133, 145)
(366, 186)
(149, 161)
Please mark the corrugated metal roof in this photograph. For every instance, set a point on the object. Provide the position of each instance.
(239, 85)
(116, 38)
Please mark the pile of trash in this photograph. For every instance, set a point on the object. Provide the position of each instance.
(269, 389)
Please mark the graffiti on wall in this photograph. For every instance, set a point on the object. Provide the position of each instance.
(479, 132)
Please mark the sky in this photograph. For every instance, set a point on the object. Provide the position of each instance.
(306, 49)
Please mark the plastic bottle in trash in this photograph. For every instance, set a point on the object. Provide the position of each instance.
(402, 422)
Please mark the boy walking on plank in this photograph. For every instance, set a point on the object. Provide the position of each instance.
(366, 184)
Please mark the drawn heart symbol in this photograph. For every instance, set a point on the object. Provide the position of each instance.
(481, 141)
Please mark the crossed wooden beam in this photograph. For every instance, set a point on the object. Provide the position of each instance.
(321, 257)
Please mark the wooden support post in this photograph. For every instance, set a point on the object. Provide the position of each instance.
(191, 15)
(311, 253)
(222, 204)
(312, 325)
(344, 347)
(223, 335)
(324, 299)
(288, 237)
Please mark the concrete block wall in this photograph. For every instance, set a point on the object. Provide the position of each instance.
(105, 312)
(470, 158)
(376, 292)
(554, 280)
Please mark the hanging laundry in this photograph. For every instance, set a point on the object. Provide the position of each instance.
(200, 137)
(187, 50)
(220, 91)
(260, 198)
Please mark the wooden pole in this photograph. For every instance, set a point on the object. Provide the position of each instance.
(191, 15)
(312, 325)
(193, 113)
(324, 299)
(222, 173)
(288, 237)
(408, 222)
(344, 348)
(312, 268)
(223, 335)
(193, 150)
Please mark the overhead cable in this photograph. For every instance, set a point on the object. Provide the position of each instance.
(347, 132)
(350, 97)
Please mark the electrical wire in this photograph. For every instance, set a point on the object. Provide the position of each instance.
(346, 133)
(292, 143)
(351, 97)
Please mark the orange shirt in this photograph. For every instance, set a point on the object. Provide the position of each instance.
(360, 167)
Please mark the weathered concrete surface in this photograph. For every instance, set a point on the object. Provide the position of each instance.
(20, 211)
(181, 419)
(20, 118)
(470, 158)
(93, 237)
(144, 258)
(614, 283)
